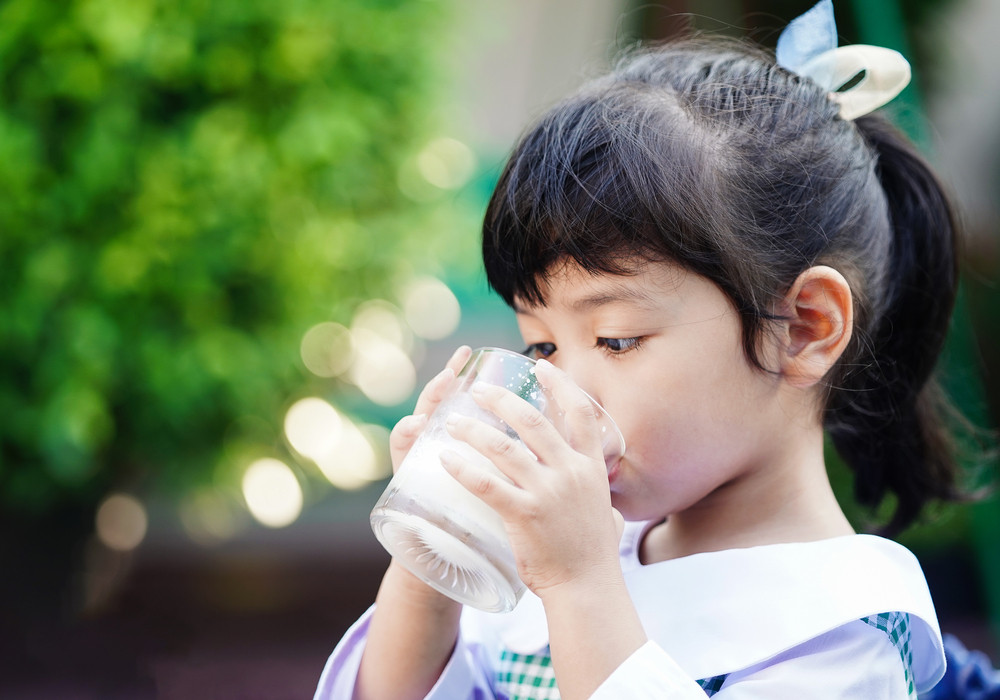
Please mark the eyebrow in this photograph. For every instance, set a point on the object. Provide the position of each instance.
(618, 295)
(615, 295)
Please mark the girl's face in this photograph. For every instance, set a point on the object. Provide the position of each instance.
(661, 350)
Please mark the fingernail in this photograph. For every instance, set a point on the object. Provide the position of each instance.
(452, 421)
(446, 372)
(448, 459)
(417, 422)
(544, 368)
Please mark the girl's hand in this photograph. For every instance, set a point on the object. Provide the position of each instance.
(406, 431)
(399, 582)
(556, 509)
(564, 532)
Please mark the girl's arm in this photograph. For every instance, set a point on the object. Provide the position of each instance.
(593, 629)
(410, 639)
(414, 628)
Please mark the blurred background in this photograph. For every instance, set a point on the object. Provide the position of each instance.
(237, 237)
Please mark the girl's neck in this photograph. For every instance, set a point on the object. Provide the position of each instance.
(785, 501)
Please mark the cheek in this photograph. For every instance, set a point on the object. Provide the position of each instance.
(651, 421)
(669, 435)
(695, 415)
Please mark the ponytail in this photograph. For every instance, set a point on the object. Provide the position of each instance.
(886, 415)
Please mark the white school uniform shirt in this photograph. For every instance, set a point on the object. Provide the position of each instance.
(848, 617)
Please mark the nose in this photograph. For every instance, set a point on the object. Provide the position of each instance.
(585, 374)
(579, 370)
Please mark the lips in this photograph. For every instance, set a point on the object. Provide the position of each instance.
(614, 469)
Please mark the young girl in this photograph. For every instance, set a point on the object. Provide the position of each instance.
(706, 243)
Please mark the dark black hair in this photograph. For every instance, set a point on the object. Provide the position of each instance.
(707, 154)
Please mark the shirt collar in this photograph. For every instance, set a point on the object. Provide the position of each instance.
(719, 612)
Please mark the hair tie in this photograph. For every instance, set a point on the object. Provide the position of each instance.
(859, 78)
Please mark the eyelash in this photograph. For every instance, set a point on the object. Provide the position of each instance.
(537, 350)
(626, 345)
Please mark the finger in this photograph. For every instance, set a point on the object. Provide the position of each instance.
(580, 419)
(534, 428)
(402, 437)
(459, 358)
(495, 491)
(434, 392)
(437, 388)
(506, 453)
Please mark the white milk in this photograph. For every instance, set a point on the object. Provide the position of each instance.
(438, 529)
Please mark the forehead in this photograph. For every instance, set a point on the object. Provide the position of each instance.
(568, 286)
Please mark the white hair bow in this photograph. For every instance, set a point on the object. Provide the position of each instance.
(859, 77)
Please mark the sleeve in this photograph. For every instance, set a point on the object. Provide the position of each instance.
(464, 677)
(647, 674)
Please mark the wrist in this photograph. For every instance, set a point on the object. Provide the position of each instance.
(411, 637)
(595, 600)
(595, 581)
(593, 628)
(404, 585)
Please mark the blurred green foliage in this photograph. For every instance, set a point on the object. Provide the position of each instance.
(186, 186)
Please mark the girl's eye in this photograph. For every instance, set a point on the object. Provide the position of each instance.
(539, 350)
(619, 346)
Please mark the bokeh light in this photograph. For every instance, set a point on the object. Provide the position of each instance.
(446, 163)
(327, 349)
(121, 522)
(355, 462)
(378, 438)
(384, 320)
(313, 427)
(272, 493)
(382, 367)
(208, 517)
(382, 370)
(431, 308)
(345, 453)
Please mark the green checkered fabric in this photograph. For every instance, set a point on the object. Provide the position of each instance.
(530, 677)
(711, 686)
(896, 626)
(527, 676)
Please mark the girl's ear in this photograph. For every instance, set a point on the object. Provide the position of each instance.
(819, 321)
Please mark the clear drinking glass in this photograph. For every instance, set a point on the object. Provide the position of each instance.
(436, 528)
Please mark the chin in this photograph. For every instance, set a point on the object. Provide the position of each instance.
(621, 504)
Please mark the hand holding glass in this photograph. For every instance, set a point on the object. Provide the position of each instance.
(436, 528)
